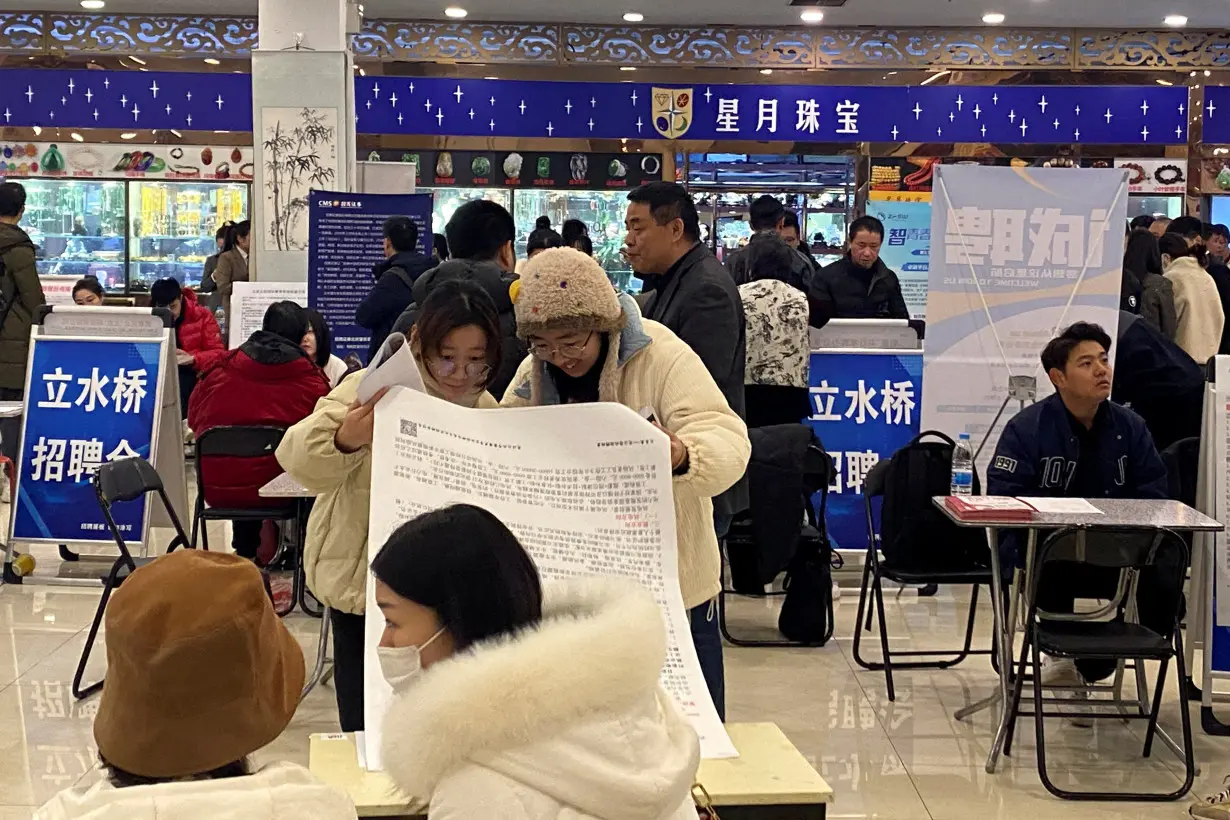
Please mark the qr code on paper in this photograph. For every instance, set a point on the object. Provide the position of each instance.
(409, 428)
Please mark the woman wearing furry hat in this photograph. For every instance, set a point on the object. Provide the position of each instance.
(589, 343)
(515, 702)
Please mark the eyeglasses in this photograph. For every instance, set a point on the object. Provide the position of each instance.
(444, 368)
(572, 350)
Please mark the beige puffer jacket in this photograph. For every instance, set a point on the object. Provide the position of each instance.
(335, 556)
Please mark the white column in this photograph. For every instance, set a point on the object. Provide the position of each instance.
(303, 126)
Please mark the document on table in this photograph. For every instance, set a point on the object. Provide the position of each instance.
(393, 366)
(586, 488)
(1061, 506)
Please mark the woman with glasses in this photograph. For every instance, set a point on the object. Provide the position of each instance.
(589, 343)
(456, 342)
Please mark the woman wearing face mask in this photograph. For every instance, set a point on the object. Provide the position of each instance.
(456, 342)
(1197, 304)
(515, 702)
(589, 344)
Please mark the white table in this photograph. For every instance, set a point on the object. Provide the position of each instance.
(285, 486)
(1121, 513)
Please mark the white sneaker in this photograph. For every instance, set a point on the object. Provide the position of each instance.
(1063, 672)
(836, 592)
(6, 488)
(1214, 807)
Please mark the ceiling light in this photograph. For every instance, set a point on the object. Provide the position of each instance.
(993, 18)
(176, 133)
(1175, 20)
(127, 135)
(1208, 73)
(212, 61)
(77, 137)
(456, 12)
(38, 130)
(362, 72)
(766, 71)
(627, 68)
(491, 78)
(633, 17)
(935, 77)
(812, 16)
(1164, 82)
(93, 5)
(136, 60)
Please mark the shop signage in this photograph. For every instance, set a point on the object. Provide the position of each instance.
(1141, 115)
(125, 161)
(1216, 114)
(1155, 176)
(526, 169)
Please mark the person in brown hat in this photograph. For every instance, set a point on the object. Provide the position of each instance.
(589, 343)
(201, 673)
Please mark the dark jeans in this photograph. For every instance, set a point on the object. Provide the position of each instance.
(187, 383)
(1156, 598)
(348, 636)
(708, 641)
(10, 429)
(246, 538)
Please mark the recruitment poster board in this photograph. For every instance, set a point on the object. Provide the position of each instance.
(58, 290)
(345, 242)
(586, 489)
(250, 300)
(89, 401)
(864, 409)
(907, 242)
(1018, 254)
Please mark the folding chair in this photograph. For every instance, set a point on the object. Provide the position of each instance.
(115, 482)
(875, 570)
(1090, 635)
(817, 476)
(243, 442)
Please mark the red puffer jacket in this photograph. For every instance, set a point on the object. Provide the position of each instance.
(197, 332)
(267, 381)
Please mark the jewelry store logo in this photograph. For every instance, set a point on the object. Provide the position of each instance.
(672, 111)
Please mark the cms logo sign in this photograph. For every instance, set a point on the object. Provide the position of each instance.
(338, 203)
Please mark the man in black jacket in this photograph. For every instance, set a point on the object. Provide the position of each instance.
(767, 217)
(859, 285)
(693, 294)
(395, 278)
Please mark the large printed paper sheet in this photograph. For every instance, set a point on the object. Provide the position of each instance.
(586, 489)
(250, 300)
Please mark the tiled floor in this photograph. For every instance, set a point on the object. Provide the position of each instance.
(904, 760)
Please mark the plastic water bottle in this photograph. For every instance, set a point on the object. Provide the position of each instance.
(220, 315)
(962, 466)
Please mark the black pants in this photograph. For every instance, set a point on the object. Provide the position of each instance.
(246, 538)
(348, 637)
(1156, 598)
(10, 429)
(187, 383)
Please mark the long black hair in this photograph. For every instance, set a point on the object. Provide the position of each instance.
(288, 320)
(1176, 247)
(234, 232)
(462, 563)
(1143, 254)
(324, 336)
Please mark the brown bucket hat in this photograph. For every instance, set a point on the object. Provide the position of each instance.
(200, 670)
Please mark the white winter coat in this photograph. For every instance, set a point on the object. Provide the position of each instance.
(280, 792)
(562, 722)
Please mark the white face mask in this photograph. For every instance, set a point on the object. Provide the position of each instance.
(402, 665)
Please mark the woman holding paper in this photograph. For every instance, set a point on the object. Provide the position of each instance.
(456, 343)
(589, 343)
(511, 701)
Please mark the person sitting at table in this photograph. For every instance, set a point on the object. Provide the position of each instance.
(318, 344)
(521, 702)
(456, 342)
(589, 344)
(201, 674)
(198, 339)
(88, 293)
(859, 285)
(1078, 444)
(267, 381)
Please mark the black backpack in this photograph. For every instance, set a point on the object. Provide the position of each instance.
(914, 534)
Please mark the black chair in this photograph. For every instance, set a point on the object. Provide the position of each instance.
(876, 569)
(817, 476)
(1131, 552)
(120, 481)
(240, 442)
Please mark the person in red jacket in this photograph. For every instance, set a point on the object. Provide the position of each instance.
(266, 381)
(198, 338)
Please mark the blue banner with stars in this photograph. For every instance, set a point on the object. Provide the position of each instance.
(1147, 115)
(1216, 114)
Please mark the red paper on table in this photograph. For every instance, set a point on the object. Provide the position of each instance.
(988, 508)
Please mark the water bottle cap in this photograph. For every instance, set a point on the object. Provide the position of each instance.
(963, 436)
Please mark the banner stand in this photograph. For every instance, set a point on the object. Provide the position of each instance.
(147, 333)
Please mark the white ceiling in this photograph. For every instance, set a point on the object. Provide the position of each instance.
(890, 13)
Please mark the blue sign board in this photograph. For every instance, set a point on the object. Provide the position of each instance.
(88, 403)
(1216, 114)
(907, 247)
(865, 407)
(1141, 115)
(345, 241)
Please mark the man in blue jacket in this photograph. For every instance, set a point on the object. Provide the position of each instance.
(1078, 444)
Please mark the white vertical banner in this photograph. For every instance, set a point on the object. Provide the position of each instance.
(1017, 254)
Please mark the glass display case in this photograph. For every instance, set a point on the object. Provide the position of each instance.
(78, 228)
(1155, 205)
(602, 212)
(447, 200)
(173, 226)
(825, 227)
